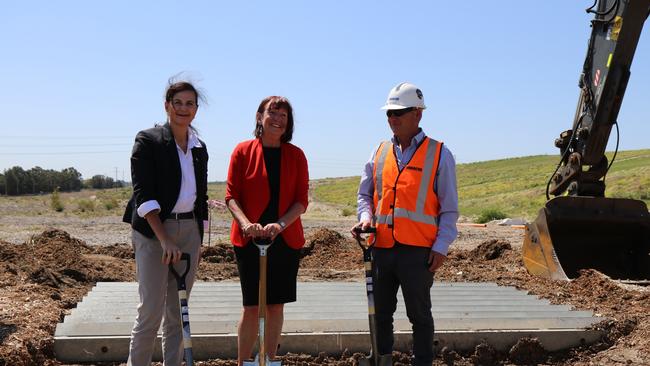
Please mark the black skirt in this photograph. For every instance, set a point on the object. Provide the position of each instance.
(282, 272)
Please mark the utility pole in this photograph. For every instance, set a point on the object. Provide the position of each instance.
(115, 183)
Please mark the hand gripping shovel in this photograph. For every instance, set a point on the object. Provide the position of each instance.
(262, 359)
(185, 315)
(375, 359)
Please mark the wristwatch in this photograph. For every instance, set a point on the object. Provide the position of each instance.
(282, 224)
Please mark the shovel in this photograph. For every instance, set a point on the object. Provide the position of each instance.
(262, 359)
(375, 359)
(185, 315)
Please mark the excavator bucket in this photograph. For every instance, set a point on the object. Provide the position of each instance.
(610, 235)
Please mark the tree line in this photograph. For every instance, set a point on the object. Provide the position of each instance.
(17, 181)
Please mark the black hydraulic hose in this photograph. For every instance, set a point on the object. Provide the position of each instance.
(588, 10)
(615, 151)
(615, 5)
(615, 12)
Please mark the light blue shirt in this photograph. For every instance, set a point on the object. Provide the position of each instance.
(445, 187)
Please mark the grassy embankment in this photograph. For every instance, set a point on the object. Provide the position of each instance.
(515, 187)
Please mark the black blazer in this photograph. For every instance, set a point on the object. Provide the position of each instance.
(156, 175)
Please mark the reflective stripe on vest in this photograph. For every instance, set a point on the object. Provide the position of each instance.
(406, 206)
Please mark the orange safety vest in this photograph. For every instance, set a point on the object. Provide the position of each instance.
(406, 206)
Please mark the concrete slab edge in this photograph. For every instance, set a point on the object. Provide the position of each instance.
(115, 349)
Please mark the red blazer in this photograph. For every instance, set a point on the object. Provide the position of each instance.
(249, 185)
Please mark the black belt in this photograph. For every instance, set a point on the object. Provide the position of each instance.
(182, 215)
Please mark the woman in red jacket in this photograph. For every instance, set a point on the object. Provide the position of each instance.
(266, 193)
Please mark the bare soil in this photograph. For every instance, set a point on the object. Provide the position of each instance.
(44, 276)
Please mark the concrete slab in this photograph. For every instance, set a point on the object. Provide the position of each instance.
(328, 317)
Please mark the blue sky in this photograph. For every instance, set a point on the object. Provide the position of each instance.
(499, 78)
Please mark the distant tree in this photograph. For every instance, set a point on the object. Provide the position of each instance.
(15, 178)
(101, 182)
(17, 181)
(71, 180)
(40, 179)
(3, 185)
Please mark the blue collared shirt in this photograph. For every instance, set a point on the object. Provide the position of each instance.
(445, 187)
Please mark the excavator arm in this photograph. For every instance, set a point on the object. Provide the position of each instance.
(616, 29)
(580, 228)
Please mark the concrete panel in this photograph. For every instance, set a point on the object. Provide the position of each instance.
(328, 317)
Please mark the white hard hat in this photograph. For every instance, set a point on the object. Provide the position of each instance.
(404, 95)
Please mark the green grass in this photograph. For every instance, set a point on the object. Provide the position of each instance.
(490, 214)
(338, 191)
(514, 186)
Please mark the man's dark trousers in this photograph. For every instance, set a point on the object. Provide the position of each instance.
(405, 266)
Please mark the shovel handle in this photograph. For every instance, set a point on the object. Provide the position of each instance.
(262, 244)
(358, 230)
(183, 305)
(180, 279)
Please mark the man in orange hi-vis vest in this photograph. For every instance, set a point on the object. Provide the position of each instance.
(408, 193)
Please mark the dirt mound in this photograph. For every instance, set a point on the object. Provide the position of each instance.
(41, 279)
(320, 240)
(118, 250)
(326, 248)
(55, 235)
(57, 260)
(449, 356)
(218, 263)
(485, 355)
(219, 253)
(491, 249)
(527, 351)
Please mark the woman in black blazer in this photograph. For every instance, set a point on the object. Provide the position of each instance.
(168, 210)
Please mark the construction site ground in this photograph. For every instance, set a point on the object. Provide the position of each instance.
(44, 273)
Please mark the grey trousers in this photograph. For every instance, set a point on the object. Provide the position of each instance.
(159, 295)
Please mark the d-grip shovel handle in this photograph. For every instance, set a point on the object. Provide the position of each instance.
(366, 248)
(359, 230)
(262, 241)
(262, 244)
(180, 279)
(368, 230)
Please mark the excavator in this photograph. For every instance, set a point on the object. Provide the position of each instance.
(580, 228)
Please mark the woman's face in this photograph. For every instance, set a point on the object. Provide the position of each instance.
(182, 108)
(274, 122)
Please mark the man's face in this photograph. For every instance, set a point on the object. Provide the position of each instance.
(404, 122)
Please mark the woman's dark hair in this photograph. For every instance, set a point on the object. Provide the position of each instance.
(181, 86)
(275, 102)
